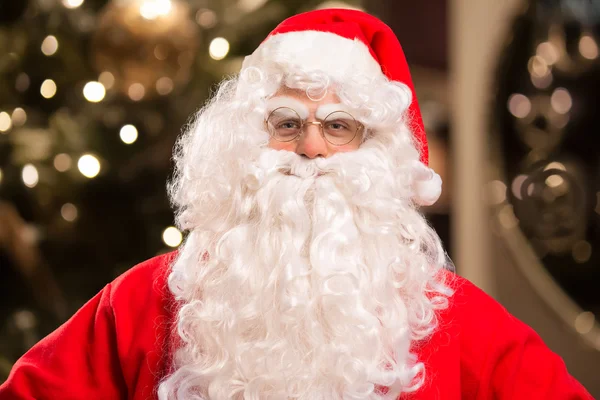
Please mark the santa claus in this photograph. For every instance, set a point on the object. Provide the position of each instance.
(308, 272)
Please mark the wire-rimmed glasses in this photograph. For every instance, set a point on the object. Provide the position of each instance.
(338, 128)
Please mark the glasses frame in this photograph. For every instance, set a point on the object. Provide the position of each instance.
(303, 123)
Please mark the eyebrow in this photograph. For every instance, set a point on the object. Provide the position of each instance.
(321, 113)
(326, 109)
(283, 101)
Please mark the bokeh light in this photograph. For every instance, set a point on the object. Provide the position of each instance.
(152, 9)
(172, 236)
(218, 48)
(22, 82)
(555, 165)
(206, 18)
(588, 47)
(50, 45)
(89, 166)
(496, 192)
(106, 79)
(164, 86)
(561, 100)
(582, 251)
(48, 88)
(62, 162)
(30, 175)
(584, 322)
(519, 105)
(72, 3)
(548, 52)
(554, 181)
(69, 212)
(128, 134)
(5, 121)
(538, 66)
(19, 117)
(94, 92)
(136, 92)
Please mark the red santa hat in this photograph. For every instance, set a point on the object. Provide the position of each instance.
(343, 43)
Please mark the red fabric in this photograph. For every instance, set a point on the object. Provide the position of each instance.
(117, 347)
(383, 46)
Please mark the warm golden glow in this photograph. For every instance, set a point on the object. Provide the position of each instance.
(519, 105)
(94, 92)
(48, 89)
(89, 166)
(30, 175)
(72, 3)
(152, 9)
(0, 175)
(172, 237)
(128, 134)
(50, 45)
(62, 162)
(561, 101)
(136, 92)
(218, 48)
(5, 122)
(588, 47)
(19, 117)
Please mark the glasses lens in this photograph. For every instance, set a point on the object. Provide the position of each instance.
(284, 124)
(340, 127)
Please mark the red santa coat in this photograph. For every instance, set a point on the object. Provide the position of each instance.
(117, 346)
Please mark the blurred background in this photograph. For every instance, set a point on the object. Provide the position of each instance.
(93, 94)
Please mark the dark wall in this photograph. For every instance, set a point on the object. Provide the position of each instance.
(421, 27)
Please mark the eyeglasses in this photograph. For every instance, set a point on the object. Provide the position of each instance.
(338, 128)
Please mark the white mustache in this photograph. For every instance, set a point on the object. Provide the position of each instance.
(289, 163)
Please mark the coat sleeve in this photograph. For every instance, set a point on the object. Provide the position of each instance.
(503, 358)
(77, 361)
(521, 366)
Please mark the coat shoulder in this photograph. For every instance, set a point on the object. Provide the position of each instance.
(144, 280)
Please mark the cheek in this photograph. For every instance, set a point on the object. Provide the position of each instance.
(352, 146)
(289, 146)
(346, 148)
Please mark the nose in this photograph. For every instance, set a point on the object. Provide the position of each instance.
(311, 143)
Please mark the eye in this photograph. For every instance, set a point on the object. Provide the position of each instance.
(288, 125)
(337, 125)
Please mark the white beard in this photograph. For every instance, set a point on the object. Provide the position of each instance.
(311, 281)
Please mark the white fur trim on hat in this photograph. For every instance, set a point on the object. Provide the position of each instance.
(427, 185)
(333, 54)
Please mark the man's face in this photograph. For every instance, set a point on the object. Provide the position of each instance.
(311, 143)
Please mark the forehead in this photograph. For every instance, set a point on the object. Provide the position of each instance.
(300, 95)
